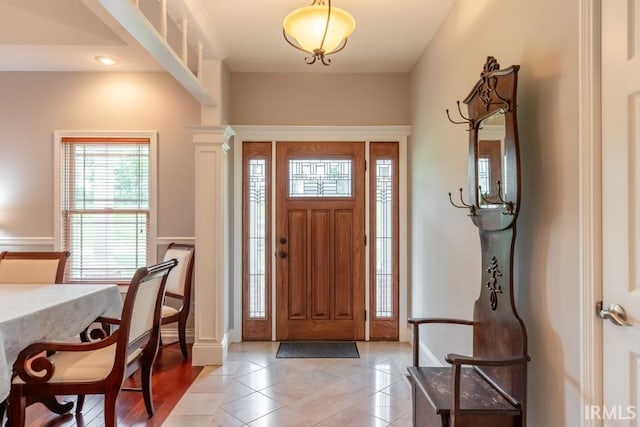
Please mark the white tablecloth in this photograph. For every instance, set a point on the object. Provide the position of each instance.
(34, 313)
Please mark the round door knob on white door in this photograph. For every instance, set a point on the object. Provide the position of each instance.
(615, 313)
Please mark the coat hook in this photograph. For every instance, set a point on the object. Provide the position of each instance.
(466, 120)
(462, 115)
(453, 121)
(498, 200)
(472, 209)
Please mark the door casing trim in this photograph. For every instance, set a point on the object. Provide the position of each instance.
(590, 201)
(329, 134)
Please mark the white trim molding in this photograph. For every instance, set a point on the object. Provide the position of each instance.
(365, 134)
(212, 240)
(50, 241)
(170, 334)
(166, 240)
(590, 192)
(26, 241)
(427, 357)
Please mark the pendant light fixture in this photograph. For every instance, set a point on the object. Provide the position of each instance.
(319, 30)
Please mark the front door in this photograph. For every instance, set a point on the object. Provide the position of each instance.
(621, 204)
(320, 239)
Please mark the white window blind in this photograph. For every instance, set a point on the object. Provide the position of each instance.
(105, 193)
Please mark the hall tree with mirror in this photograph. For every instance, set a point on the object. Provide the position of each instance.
(489, 387)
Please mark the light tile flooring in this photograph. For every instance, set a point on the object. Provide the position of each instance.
(253, 388)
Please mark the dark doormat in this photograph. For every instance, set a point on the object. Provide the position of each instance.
(318, 350)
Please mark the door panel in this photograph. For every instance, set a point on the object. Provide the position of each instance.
(297, 237)
(320, 233)
(344, 265)
(320, 262)
(620, 179)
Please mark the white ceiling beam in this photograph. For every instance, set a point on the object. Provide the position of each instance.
(134, 21)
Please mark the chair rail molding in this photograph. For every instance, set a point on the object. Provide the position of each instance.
(26, 241)
(212, 244)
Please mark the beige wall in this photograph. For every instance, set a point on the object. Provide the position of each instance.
(319, 99)
(33, 105)
(541, 36)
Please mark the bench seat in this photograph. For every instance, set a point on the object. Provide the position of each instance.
(431, 393)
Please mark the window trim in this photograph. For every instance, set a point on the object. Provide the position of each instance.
(152, 136)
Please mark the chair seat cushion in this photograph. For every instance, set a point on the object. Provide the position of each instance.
(83, 366)
(168, 311)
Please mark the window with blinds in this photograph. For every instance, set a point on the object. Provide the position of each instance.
(105, 206)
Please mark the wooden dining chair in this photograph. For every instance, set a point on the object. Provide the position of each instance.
(97, 367)
(179, 287)
(32, 267)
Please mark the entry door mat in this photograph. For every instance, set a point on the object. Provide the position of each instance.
(318, 350)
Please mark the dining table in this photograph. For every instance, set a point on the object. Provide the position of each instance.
(55, 312)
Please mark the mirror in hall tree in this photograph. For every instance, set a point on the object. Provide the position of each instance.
(492, 182)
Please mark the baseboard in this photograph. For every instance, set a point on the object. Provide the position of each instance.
(170, 334)
(210, 352)
(427, 358)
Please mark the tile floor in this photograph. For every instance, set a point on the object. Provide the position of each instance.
(253, 388)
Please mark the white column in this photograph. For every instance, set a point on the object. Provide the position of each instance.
(212, 244)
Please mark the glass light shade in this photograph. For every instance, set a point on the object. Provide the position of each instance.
(307, 26)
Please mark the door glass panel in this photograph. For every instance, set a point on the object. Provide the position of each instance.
(384, 238)
(320, 178)
(257, 237)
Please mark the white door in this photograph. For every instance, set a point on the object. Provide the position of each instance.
(621, 207)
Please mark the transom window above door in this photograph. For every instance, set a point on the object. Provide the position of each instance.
(320, 178)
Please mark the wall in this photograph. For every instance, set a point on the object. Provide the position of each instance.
(541, 36)
(319, 99)
(33, 105)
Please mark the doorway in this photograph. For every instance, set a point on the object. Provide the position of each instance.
(320, 240)
(378, 308)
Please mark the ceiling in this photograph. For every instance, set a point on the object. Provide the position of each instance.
(66, 35)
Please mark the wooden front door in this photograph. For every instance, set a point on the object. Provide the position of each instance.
(320, 239)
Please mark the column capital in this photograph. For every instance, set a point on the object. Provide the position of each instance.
(212, 135)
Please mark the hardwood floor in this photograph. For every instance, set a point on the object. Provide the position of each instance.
(172, 376)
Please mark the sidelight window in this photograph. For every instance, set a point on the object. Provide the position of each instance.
(384, 238)
(257, 237)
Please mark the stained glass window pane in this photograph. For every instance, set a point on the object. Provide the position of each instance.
(384, 238)
(257, 238)
(320, 178)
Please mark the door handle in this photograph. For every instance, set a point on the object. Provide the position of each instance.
(282, 254)
(614, 312)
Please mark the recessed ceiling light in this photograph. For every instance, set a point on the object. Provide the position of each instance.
(106, 60)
